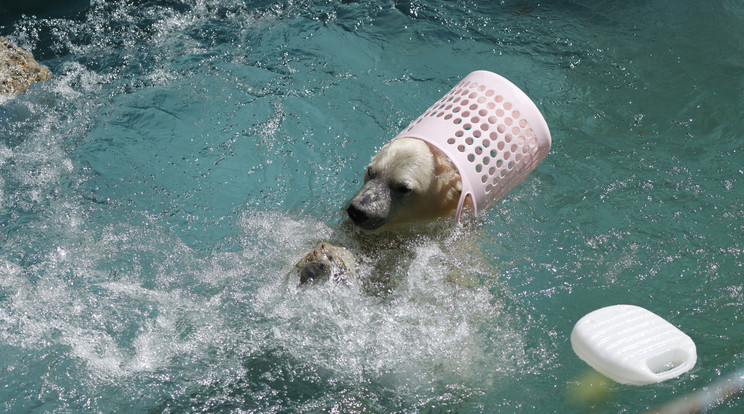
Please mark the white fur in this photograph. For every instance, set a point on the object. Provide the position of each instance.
(407, 180)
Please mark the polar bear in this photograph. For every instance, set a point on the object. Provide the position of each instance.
(407, 180)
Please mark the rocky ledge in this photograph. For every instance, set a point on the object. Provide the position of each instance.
(18, 69)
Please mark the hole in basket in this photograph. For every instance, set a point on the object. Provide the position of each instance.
(479, 168)
(463, 93)
(508, 138)
(517, 157)
(451, 141)
(457, 121)
(490, 93)
(486, 143)
(506, 155)
(515, 114)
(448, 116)
(473, 107)
(459, 134)
(500, 113)
(473, 85)
(507, 106)
(461, 148)
(500, 145)
(469, 140)
(492, 119)
(471, 157)
(479, 151)
(522, 123)
(481, 100)
(520, 140)
(515, 130)
(533, 141)
(481, 88)
(484, 127)
(486, 160)
(508, 121)
(501, 128)
(467, 127)
(476, 134)
(482, 112)
(464, 102)
(498, 98)
(456, 100)
(456, 109)
(499, 163)
(492, 171)
(475, 119)
(491, 105)
(494, 136)
(484, 178)
(465, 114)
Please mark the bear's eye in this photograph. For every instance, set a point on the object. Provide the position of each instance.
(403, 188)
(369, 174)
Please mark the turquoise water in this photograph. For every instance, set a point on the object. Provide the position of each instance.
(155, 192)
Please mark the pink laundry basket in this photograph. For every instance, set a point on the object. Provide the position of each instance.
(490, 130)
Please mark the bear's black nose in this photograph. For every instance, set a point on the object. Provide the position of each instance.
(363, 219)
(356, 215)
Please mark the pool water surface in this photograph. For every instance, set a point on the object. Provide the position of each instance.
(156, 191)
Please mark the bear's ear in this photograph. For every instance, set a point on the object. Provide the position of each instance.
(444, 168)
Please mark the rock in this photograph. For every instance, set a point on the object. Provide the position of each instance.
(18, 69)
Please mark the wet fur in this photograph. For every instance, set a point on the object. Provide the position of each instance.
(407, 180)
(386, 247)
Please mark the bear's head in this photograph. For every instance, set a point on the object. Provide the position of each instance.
(407, 180)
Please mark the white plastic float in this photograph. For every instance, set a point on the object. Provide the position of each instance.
(632, 345)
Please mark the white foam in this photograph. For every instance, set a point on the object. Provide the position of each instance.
(430, 329)
(74, 80)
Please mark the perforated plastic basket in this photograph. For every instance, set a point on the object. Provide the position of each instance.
(490, 130)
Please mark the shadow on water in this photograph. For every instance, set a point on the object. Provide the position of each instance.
(12, 10)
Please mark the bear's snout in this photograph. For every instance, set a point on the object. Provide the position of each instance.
(356, 215)
(365, 219)
(371, 206)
